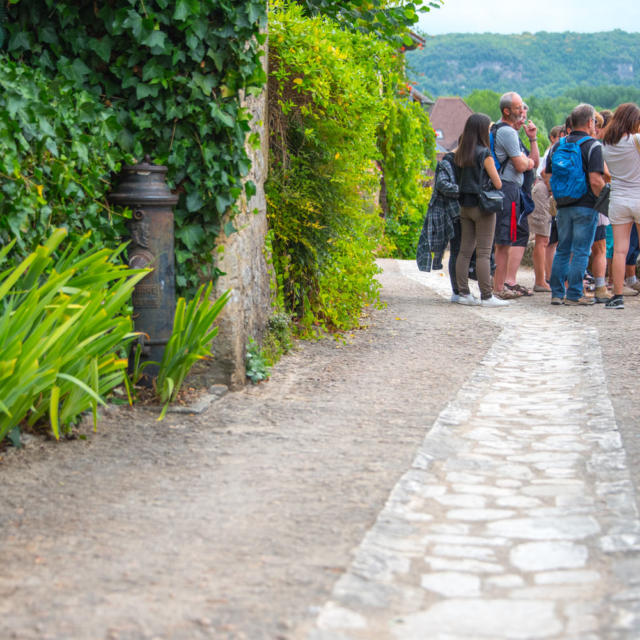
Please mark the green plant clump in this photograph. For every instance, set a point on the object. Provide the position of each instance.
(278, 338)
(173, 76)
(64, 321)
(331, 96)
(407, 143)
(57, 148)
(257, 366)
(192, 332)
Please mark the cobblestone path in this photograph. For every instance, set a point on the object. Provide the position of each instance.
(517, 519)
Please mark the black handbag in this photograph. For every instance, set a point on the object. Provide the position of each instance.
(602, 201)
(489, 198)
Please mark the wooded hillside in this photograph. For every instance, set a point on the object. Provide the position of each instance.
(544, 64)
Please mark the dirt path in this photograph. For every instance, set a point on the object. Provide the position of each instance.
(237, 522)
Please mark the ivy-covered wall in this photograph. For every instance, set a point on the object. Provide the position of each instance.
(167, 76)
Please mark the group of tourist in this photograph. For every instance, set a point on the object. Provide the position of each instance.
(581, 217)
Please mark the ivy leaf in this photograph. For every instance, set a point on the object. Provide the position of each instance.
(229, 229)
(194, 201)
(220, 115)
(250, 188)
(79, 70)
(19, 40)
(217, 59)
(205, 83)
(134, 22)
(223, 202)
(145, 90)
(102, 47)
(156, 41)
(182, 10)
(48, 34)
(192, 235)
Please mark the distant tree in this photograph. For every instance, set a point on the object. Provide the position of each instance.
(485, 101)
(541, 64)
(605, 96)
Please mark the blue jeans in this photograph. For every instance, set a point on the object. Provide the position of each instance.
(576, 230)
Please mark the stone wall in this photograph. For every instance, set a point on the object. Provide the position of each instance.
(242, 257)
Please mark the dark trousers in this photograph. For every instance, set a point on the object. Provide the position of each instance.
(454, 249)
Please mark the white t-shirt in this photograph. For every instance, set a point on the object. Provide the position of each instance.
(543, 162)
(623, 161)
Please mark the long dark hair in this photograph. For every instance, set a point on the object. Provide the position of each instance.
(476, 132)
(626, 120)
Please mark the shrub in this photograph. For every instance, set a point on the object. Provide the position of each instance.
(256, 363)
(192, 332)
(336, 118)
(325, 109)
(407, 143)
(57, 149)
(64, 321)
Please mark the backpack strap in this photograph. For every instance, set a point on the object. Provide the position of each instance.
(494, 130)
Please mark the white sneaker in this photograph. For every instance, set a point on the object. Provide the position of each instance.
(468, 299)
(455, 297)
(494, 302)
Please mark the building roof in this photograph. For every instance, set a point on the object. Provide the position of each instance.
(420, 97)
(417, 41)
(448, 116)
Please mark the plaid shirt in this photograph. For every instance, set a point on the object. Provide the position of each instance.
(443, 210)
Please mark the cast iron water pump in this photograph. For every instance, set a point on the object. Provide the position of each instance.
(142, 188)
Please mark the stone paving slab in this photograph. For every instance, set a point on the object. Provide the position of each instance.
(517, 519)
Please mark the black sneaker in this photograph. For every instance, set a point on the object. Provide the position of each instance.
(617, 302)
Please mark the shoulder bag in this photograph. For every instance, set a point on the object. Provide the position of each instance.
(489, 198)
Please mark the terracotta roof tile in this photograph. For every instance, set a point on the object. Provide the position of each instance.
(448, 116)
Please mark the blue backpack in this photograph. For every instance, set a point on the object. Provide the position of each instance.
(568, 177)
(492, 142)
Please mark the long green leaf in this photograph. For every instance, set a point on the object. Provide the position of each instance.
(53, 410)
(84, 387)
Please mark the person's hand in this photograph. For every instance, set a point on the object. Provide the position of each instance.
(531, 130)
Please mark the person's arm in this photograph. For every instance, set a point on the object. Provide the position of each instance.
(596, 168)
(523, 163)
(492, 172)
(596, 180)
(532, 133)
(445, 182)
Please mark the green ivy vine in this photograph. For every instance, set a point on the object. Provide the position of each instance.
(169, 77)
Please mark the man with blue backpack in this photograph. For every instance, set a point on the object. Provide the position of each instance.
(575, 170)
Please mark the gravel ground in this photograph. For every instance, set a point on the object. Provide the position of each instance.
(235, 523)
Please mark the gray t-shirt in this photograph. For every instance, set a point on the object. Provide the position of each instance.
(507, 145)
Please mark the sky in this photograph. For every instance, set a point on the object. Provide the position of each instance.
(509, 16)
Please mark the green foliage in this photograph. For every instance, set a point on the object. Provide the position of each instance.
(256, 363)
(335, 119)
(63, 322)
(172, 75)
(407, 142)
(192, 333)
(542, 64)
(325, 110)
(278, 338)
(386, 20)
(56, 153)
(485, 101)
